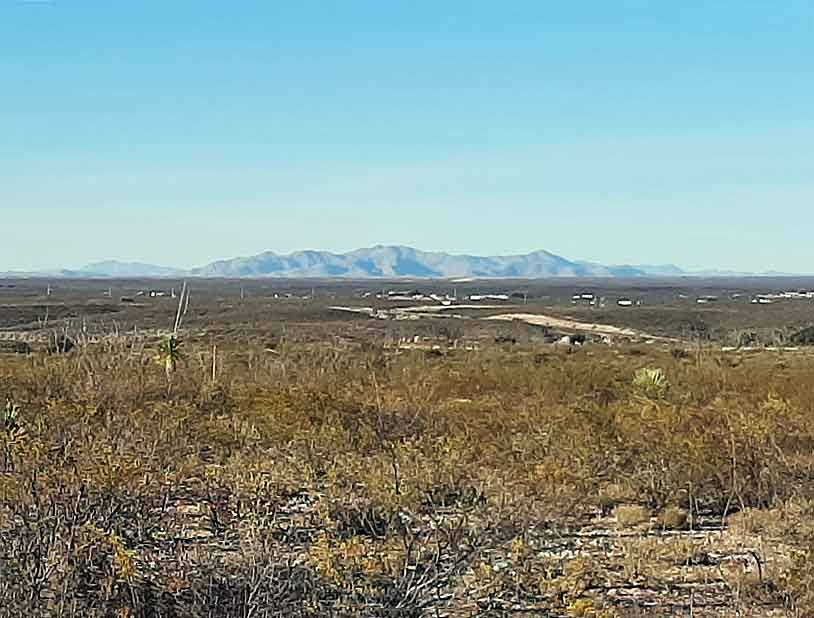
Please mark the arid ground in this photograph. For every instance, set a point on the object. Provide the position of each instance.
(291, 459)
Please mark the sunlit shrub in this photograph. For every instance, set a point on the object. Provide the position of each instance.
(651, 382)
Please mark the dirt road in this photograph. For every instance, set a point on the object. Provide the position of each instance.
(573, 325)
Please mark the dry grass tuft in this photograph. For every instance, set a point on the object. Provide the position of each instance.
(631, 515)
(673, 518)
(319, 481)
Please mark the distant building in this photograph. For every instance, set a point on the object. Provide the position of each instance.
(480, 297)
(584, 298)
(790, 295)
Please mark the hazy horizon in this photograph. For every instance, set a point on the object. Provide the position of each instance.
(179, 134)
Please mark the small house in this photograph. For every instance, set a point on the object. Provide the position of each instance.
(584, 298)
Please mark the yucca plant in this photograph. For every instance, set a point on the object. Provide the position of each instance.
(169, 356)
(651, 382)
(11, 434)
(11, 415)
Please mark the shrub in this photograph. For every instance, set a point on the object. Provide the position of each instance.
(329, 483)
(630, 515)
(673, 518)
(651, 383)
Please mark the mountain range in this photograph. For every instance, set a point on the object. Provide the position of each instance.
(383, 262)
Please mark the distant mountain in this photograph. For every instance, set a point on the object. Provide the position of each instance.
(662, 270)
(101, 270)
(113, 268)
(385, 262)
(390, 262)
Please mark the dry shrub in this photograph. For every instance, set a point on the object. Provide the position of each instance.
(370, 483)
(673, 518)
(631, 515)
(800, 582)
(755, 521)
(611, 495)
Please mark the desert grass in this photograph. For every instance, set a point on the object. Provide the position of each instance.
(309, 480)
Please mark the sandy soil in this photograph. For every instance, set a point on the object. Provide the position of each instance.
(573, 325)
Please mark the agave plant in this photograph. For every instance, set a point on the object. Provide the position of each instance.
(651, 382)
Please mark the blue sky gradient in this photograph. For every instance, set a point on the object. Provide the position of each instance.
(632, 131)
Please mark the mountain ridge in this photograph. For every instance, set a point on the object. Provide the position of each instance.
(395, 261)
(385, 261)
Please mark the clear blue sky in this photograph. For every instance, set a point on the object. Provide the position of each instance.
(178, 132)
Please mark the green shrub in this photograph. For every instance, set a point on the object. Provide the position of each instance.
(651, 383)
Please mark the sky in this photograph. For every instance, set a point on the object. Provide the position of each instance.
(181, 132)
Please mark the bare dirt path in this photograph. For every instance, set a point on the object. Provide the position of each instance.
(574, 325)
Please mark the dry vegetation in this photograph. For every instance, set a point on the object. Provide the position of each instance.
(315, 480)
